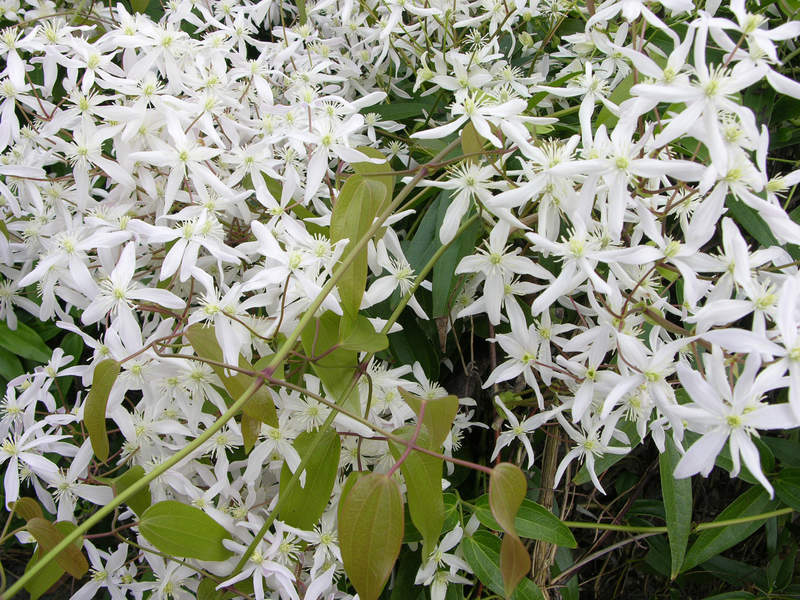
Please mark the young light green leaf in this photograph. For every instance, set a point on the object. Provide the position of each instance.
(334, 367)
(94, 410)
(304, 505)
(260, 406)
(370, 532)
(368, 171)
(52, 572)
(24, 342)
(182, 530)
(423, 477)
(713, 541)
(507, 487)
(48, 535)
(471, 142)
(677, 496)
(438, 416)
(482, 553)
(139, 6)
(356, 207)
(251, 429)
(27, 508)
(363, 337)
(533, 521)
(141, 500)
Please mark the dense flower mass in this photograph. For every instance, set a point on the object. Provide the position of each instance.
(179, 201)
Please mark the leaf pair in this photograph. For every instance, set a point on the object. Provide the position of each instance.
(507, 488)
(49, 535)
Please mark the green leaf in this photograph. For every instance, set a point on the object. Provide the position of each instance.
(368, 170)
(787, 487)
(139, 6)
(304, 505)
(251, 429)
(751, 221)
(370, 532)
(482, 553)
(260, 405)
(10, 366)
(52, 571)
(677, 496)
(335, 367)
(141, 500)
(73, 346)
(471, 142)
(404, 110)
(182, 530)
(24, 342)
(363, 337)
(48, 535)
(533, 521)
(507, 487)
(403, 587)
(207, 590)
(94, 411)
(438, 416)
(444, 280)
(713, 541)
(27, 508)
(356, 207)
(452, 517)
(423, 477)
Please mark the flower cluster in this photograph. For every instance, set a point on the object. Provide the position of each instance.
(158, 174)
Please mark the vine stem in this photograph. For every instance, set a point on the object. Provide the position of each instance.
(697, 528)
(236, 407)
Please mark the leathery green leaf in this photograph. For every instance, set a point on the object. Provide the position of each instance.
(438, 416)
(423, 477)
(533, 521)
(141, 500)
(370, 532)
(356, 207)
(25, 342)
(48, 535)
(94, 411)
(677, 496)
(260, 405)
(182, 530)
(482, 553)
(787, 487)
(713, 541)
(507, 487)
(305, 503)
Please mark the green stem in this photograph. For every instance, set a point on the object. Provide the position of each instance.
(697, 528)
(234, 409)
(106, 510)
(740, 520)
